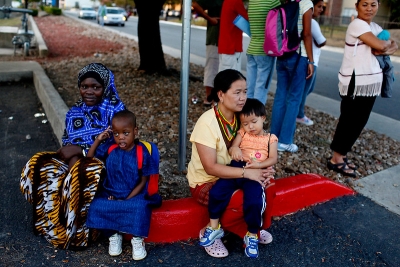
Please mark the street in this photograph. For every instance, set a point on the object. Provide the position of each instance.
(326, 82)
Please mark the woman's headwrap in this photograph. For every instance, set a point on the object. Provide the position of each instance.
(84, 123)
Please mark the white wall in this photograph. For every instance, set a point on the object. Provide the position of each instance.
(67, 4)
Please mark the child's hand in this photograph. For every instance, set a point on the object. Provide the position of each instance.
(111, 198)
(236, 153)
(253, 165)
(104, 135)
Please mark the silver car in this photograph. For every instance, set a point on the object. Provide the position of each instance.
(114, 16)
(87, 13)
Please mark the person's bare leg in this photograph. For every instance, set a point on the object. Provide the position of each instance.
(208, 92)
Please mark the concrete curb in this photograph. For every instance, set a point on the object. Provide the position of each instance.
(52, 103)
(42, 47)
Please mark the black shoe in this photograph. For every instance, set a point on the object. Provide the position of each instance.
(341, 168)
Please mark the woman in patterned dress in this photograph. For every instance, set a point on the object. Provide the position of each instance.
(62, 184)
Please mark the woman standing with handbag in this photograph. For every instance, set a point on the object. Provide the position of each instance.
(360, 82)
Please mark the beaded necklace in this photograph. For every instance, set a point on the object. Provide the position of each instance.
(228, 128)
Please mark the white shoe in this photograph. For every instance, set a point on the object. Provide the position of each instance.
(305, 120)
(138, 249)
(292, 148)
(115, 247)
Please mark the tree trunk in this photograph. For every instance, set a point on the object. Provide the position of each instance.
(150, 47)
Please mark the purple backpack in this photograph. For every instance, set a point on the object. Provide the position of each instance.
(281, 32)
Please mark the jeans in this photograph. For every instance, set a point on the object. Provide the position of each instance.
(259, 75)
(307, 90)
(287, 99)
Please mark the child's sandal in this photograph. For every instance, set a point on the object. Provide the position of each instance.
(217, 249)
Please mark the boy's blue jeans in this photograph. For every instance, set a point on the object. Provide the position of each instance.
(254, 199)
(287, 99)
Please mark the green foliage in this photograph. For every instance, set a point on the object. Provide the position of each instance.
(394, 9)
(53, 10)
(35, 12)
(56, 11)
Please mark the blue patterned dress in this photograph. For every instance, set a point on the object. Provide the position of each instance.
(127, 216)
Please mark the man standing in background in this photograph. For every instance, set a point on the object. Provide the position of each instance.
(212, 16)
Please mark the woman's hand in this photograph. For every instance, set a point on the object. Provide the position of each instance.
(262, 176)
(69, 151)
(390, 51)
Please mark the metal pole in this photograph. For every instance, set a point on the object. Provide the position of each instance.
(183, 106)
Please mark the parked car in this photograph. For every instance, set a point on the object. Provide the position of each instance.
(87, 13)
(173, 13)
(113, 16)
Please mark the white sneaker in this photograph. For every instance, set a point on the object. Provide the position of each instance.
(115, 247)
(305, 120)
(138, 249)
(292, 148)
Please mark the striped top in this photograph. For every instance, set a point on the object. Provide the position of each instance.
(305, 5)
(258, 11)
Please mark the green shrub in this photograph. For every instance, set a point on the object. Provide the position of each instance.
(53, 10)
(47, 9)
(42, 7)
(56, 11)
(35, 12)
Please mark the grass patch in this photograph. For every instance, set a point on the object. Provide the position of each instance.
(11, 22)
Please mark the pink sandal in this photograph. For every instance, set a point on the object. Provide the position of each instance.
(217, 249)
(265, 237)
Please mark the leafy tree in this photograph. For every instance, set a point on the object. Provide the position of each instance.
(150, 48)
(394, 10)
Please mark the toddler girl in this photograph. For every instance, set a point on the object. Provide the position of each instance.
(252, 148)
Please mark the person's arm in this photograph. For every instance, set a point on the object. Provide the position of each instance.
(318, 38)
(208, 158)
(70, 151)
(390, 51)
(104, 135)
(319, 45)
(139, 187)
(202, 13)
(380, 46)
(270, 161)
(307, 39)
(234, 150)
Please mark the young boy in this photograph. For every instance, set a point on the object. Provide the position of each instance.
(123, 205)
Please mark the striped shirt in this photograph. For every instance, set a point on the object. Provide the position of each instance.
(305, 5)
(258, 11)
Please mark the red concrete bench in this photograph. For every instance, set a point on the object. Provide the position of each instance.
(183, 218)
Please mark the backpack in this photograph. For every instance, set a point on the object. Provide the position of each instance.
(281, 31)
(152, 185)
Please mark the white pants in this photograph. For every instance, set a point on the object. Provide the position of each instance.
(230, 61)
(211, 67)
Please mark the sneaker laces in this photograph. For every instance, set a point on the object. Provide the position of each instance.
(114, 240)
(137, 243)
